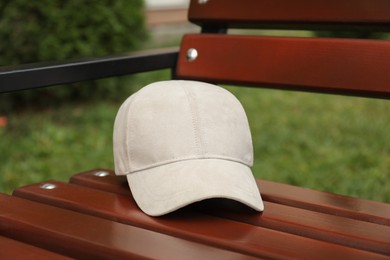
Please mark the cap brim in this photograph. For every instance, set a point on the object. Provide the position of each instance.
(163, 189)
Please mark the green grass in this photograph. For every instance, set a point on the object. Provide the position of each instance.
(60, 140)
(325, 142)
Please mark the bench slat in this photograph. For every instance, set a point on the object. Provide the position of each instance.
(307, 223)
(12, 249)
(330, 203)
(365, 210)
(83, 236)
(324, 227)
(301, 14)
(341, 66)
(208, 228)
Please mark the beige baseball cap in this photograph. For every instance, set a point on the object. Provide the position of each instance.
(179, 142)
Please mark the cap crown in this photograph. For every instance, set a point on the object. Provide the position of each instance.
(171, 121)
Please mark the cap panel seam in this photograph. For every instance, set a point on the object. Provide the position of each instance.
(128, 128)
(244, 115)
(195, 120)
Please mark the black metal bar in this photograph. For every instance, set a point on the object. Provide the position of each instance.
(207, 28)
(38, 75)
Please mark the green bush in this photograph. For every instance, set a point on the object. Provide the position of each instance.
(47, 30)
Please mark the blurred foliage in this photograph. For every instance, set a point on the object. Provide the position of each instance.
(48, 30)
(363, 34)
(331, 143)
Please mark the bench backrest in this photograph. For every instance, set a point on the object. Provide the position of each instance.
(344, 66)
(329, 65)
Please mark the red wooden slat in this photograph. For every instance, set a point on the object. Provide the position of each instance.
(339, 205)
(82, 236)
(193, 225)
(321, 226)
(291, 13)
(355, 67)
(106, 182)
(12, 249)
(365, 210)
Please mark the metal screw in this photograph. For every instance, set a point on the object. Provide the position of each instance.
(48, 186)
(202, 1)
(192, 54)
(101, 174)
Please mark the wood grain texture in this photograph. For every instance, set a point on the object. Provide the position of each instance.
(214, 225)
(13, 249)
(292, 14)
(82, 236)
(278, 193)
(341, 66)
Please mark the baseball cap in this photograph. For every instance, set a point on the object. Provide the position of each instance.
(180, 142)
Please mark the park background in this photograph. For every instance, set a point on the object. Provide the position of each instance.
(325, 142)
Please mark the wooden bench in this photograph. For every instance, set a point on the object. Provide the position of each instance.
(94, 214)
